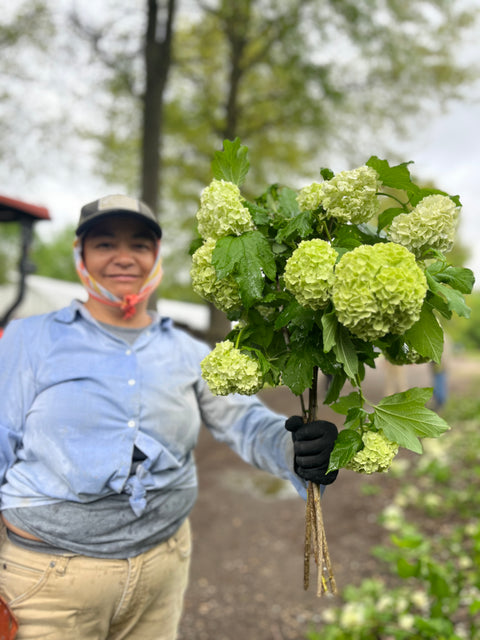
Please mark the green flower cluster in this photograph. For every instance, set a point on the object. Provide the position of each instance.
(223, 293)
(309, 273)
(431, 224)
(378, 289)
(222, 212)
(228, 370)
(377, 454)
(350, 196)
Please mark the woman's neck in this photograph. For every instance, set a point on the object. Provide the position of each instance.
(114, 315)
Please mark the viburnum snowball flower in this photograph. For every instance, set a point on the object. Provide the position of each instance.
(224, 293)
(377, 454)
(350, 196)
(309, 273)
(229, 370)
(310, 197)
(378, 289)
(432, 224)
(222, 212)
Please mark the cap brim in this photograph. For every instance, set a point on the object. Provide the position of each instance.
(87, 224)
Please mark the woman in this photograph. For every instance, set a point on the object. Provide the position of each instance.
(101, 408)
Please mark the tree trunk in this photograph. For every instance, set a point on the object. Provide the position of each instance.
(157, 52)
(157, 56)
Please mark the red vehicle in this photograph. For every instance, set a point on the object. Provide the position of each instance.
(26, 215)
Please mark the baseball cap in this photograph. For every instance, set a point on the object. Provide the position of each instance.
(95, 211)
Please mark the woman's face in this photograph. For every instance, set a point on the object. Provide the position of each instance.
(119, 253)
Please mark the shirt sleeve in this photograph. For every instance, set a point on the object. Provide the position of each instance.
(16, 392)
(255, 432)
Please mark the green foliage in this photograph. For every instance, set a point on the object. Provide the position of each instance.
(291, 319)
(10, 243)
(432, 590)
(467, 334)
(53, 258)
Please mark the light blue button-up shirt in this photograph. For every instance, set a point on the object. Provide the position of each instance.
(75, 400)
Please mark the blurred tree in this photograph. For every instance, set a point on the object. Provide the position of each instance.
(9, 250)
(25, 33)
(293, 80)
(466, 334)
(53, 258)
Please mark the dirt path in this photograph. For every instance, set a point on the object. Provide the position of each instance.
(247, 568)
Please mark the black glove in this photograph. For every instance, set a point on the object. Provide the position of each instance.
(312, 445)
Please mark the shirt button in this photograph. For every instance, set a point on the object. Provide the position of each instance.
(131, 423)
(131, 382)
(128, 352)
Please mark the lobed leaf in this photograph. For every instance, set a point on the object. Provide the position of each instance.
(231, 164)
(247, 258)
(404, 418)
(397, 177)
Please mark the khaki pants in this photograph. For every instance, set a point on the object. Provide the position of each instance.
(82, 598)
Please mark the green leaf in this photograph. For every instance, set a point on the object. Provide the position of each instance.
(232, 163)
(247, 258)
(335, 386)
(298, 372)
(386, 217)
(349, 236)
(329, 325)
(426, 335)
(353, 400)
(287, 202)
(347, 444)
(459, 278)
(409, 541)
(454, 298)
(327, 174)
(397, 177)
(290, 313)
(428, 191)
(301, 225)
(345, 352)
(403, 418)
(260, 216)
(407, 570)
(439, 304)
(356, 417)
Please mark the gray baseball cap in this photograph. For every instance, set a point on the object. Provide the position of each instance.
(95, 211)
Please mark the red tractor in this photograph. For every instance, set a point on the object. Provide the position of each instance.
(26, 215)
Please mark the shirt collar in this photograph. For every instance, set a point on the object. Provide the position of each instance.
(76, 308)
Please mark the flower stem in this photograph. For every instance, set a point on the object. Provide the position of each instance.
(315, 537)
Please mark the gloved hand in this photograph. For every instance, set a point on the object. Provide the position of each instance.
(312, 445)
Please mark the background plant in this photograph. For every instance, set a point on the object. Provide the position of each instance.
(431, 589)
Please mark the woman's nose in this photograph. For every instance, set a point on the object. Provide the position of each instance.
(123, 257)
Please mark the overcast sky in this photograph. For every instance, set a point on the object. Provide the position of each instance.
(448, 153)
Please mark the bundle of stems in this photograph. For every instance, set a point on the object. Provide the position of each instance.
(315, 537)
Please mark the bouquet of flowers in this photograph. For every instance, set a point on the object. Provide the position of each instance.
(327, 278)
